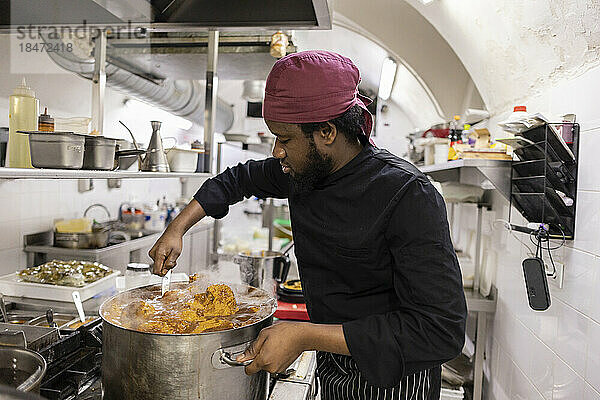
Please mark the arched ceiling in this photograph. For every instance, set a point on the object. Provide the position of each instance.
(516, 49)
(402, 31)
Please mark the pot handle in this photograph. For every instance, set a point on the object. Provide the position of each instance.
(281, 268)
(229, 359)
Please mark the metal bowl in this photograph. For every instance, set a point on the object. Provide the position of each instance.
(28, 368)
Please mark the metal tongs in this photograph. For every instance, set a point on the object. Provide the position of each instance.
(166, 283)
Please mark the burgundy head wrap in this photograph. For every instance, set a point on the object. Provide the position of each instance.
(313, 86)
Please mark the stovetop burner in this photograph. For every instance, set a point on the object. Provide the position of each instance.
(74, 365)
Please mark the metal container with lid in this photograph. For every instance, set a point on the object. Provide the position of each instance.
(56, 149)
(141, 365)
(99, 153)
(263, 269)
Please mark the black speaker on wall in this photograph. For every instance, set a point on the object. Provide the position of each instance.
(536, 282)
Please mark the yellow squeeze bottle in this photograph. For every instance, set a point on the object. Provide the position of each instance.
(23, 116)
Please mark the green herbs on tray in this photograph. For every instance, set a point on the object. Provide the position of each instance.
(65, 273)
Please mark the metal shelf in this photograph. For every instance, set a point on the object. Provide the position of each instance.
(476, 172)
(477, 303)
(473, 172)
(35, 173)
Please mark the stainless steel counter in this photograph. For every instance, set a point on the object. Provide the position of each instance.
(301, 385)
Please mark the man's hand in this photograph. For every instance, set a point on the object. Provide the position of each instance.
(168, 247)
(276, 347)
(165, 252)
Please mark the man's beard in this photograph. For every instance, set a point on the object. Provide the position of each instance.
(318, 166)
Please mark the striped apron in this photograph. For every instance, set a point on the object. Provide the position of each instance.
(341, 379)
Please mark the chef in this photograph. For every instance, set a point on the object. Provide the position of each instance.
(380, 277)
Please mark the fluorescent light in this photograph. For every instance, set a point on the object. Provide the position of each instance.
(146, 111)
(386, 81)
(426, 1)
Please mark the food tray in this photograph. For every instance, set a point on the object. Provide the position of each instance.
(10, 285)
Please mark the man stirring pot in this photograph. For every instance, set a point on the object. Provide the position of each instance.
(379, 273)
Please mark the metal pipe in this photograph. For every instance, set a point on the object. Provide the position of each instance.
(210, 102)
(217, 223)
(478, 250)
(180, 97)
(271, 218)
(99, 82)
(210, 114)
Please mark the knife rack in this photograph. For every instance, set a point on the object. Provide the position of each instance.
(544, 178)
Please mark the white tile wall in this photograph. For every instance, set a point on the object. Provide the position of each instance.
(561, 345)
(521, 388)
(540, 368)
(587, 225)
(592, 369)
(589, 179)
(589, 393)
(567, 384)
(571, 344)
(31, 206)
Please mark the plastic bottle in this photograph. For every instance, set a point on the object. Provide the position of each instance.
(518, 113)
(465, 133)
(22, 116)
(455, 133)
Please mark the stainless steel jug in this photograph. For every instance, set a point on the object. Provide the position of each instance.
(156, 158)
(263, 269)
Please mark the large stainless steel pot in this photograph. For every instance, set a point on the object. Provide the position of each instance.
(148, 366)
(263, 269)
(22, 368)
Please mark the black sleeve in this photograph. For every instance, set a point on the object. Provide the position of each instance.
(262, 179)
(429, 328)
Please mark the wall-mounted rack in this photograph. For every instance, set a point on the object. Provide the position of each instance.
(544, 178)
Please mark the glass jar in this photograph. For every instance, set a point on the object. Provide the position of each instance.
(136, 275)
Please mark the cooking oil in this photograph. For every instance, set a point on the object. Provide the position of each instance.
(23, 116)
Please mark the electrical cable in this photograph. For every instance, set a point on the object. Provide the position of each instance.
(543, 236)
(553, 274)
(511, 232)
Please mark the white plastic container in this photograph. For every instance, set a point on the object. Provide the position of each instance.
(182, 160)
(75, 124)
(440, 153)
(11, 285)
(137, 275)
(155, 220)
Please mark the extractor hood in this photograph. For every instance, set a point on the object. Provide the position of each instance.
(168, 15)
(175, 55)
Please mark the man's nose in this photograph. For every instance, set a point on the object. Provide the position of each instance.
(278, 151)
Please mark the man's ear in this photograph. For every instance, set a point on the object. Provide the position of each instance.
(327, 133)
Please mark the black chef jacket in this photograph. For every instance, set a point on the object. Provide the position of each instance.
(374, 254)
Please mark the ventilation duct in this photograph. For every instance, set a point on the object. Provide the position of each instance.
(184, 98)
